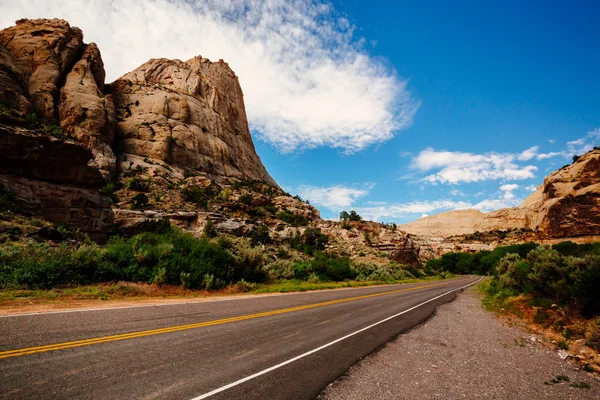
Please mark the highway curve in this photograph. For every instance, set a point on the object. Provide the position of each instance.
(264, 347)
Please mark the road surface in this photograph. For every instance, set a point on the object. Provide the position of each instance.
(268, 347)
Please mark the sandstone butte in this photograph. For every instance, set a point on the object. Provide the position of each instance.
(566, 205)
(170, 126)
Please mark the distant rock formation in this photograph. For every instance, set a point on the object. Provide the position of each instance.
(567, 204)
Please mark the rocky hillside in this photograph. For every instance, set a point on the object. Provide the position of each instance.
(65, 135)
(567, 204)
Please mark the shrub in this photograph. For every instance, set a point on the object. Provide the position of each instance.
(109, 190)
(310, 241)
(281, 270)
(139, 201)
(245, 199)
(291, 218)
(199, 195)
(164, 258)
(260, 235)
(8, 200)
(331, 267)
(209, 230)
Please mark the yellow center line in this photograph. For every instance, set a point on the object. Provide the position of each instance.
(132, 335)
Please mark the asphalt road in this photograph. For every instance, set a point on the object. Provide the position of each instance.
(270, 347)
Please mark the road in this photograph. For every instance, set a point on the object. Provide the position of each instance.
(268, 347)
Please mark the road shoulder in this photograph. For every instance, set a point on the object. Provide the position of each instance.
(463, 351)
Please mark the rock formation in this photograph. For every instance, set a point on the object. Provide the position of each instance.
(86, 112)
(62, 130)
(567, 204)
(189, 115)
(44, 50)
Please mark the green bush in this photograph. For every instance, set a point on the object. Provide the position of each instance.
(199, 195)
(291, 218)
(139, 201)
(260, 235)
(386, 273)
(310, 241)
(164, 258)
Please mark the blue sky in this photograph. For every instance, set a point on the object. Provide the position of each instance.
(490, 77)
(394, 108)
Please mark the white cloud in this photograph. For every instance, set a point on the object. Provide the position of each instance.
(335, 198)
(530, 188)
(307, 81)
(584, 144)
(528, 154)
(459, 167)
(508, 190)
(544, 156)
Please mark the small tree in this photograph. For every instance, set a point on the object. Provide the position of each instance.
(344, 215)
(354, 216)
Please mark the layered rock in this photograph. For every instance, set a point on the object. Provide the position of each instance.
(567, 204)
(27, 152)
(82, 208)
(189, 115)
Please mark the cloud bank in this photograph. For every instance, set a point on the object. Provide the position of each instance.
(458, 167)
(307, 81)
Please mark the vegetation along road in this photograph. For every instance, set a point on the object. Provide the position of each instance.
(284, 346)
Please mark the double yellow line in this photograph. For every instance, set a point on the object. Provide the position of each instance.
(151, 332)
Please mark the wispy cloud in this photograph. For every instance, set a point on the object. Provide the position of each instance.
(307, 81)
(584, 144)
(334, 198)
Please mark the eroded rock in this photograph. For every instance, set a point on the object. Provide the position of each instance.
(187, 114)
(44, 50)
(86, 113)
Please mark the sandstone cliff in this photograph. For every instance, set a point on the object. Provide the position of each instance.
(156, 130)
(567, 204)
(189, 115)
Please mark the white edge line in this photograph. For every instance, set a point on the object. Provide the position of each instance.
(308, 353)
(179, 303)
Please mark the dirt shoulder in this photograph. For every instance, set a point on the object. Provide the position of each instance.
(464, 351)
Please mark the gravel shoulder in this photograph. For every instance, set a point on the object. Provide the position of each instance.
(463, 352)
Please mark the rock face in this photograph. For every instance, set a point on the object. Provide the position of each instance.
(189, 115)
(567, 204)
(79, 207)
(570, 199)
(26, 152)
(44, 50)
(86, 113)
(13, 88)
(64, 133)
